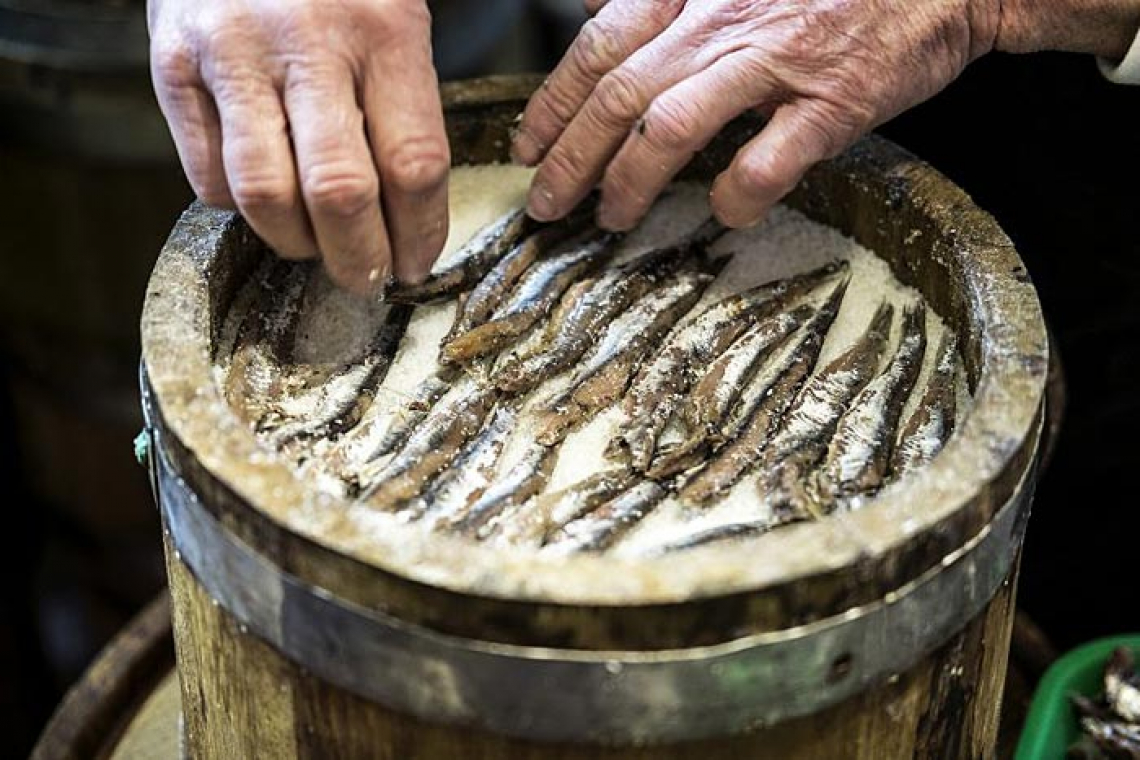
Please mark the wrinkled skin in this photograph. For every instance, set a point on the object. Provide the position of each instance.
(319, 120)
(648, 83)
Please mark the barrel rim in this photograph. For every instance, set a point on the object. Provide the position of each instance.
(960, 490)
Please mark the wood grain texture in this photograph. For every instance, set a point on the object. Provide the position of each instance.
(244, 699)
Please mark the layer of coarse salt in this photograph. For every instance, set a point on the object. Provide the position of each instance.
(784, 244)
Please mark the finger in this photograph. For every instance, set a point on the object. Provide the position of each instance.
(404, 118)
(768, 167)
(619, 29)
(338, 177)
(678, 123)
(578, 158)
(193, 120)
(259, 163)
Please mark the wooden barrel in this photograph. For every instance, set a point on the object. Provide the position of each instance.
(883, 635)
(126, 706)
(91, 185)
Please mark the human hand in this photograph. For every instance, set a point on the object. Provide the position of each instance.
(320, 121)
(648, 83)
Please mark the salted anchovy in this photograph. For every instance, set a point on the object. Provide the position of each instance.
(599, 529)
(434, 444)
(857, 459)
(535, 521)
(529, 476)
(265, 340)
(715, 394)
(1118, 738)
(807, 427)
(470, 263)
(339, 403)
(763, 403)
(585, 312)
(531, 299)
(932, 421)
(481, 302)
(605, 372)
(711, 535)
(1122, 686)
(659, 387)
(469, 475)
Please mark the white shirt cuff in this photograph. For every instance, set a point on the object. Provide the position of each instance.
(1128, 70)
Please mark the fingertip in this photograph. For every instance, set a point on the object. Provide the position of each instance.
(736, 213)
(611, 219)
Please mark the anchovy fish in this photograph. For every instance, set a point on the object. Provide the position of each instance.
(857, 459)
(481, 302)
(931, 423)
(338, 404)
(801, 441)
(599, 529)
(762, 404)
(470, 263)
(507, 494)
(1122, 685)
(531, 299)
(584, 313)
(470, 473)
(710, 400)
(605, 372)
(539, 518)
(449, 425)
(660, 386)
(264, 341)
(710, 535)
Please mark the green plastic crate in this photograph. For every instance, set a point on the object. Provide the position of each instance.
(1051, 726)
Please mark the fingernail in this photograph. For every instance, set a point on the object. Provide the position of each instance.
(525, 150)
(540, 204)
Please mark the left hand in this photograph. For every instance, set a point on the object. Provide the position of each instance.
(648, 83)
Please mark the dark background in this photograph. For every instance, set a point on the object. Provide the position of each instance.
(1043, 142)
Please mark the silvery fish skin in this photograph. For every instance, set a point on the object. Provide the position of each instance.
(660, 386)
(932, 421)
(469, 475)
(532, 298)
(470, 263)
(264, 341)
(801, 441)
(710, 535)
(584, 313)
(1122, 686)
(858, 456)
(762, 404)
(481, 302)
(710, 400)
(434, 444)
(507, 494)
(607, 369)
(332, 410)
(599, 529)
(539, 518)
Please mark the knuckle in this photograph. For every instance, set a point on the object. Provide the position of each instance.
(340, 190)
(258, 193)
(596, 50)
(560, 168)
(174, 62)
(760, 173)
(417, 166)
(617, 98)
(668, 125)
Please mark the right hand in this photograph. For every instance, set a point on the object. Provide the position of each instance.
(320, 121)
